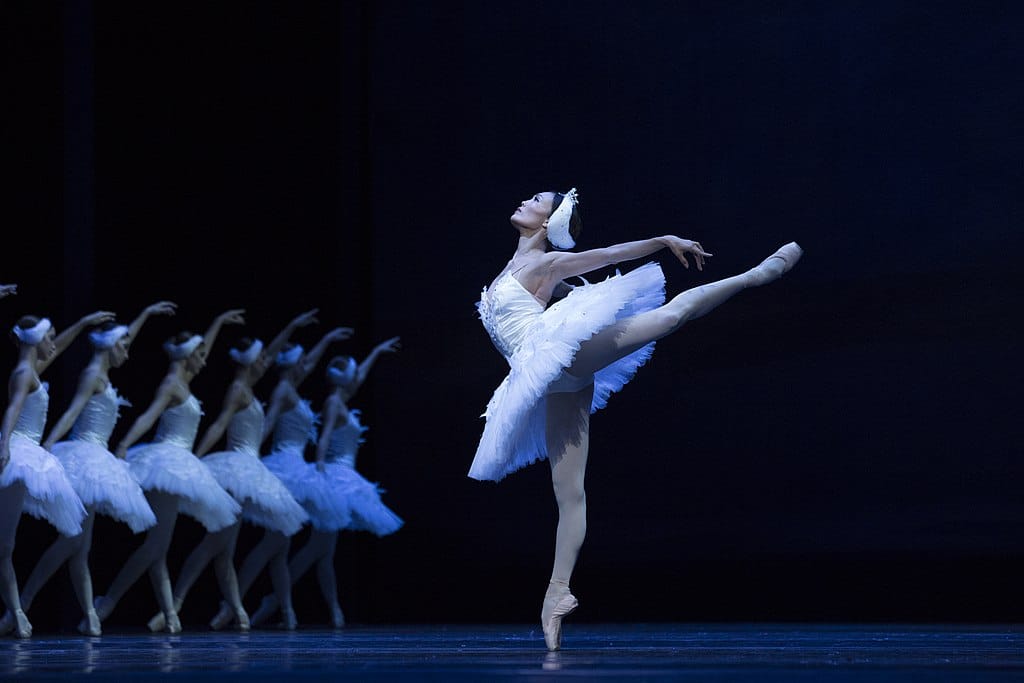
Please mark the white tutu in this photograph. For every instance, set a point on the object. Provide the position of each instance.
(265, 500)
(540, 345)
(105, 482)
(49, 494)
(175, 470)
(368, 511)
(327, 508)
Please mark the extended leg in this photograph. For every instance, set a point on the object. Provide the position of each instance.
(628, 335)
(224, 568)
(12, 500)
(329, 581)
(315, 548)
(271, 550)
(568, 439)
(81, 577)
(59, 552)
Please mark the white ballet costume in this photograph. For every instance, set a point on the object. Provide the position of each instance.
(294, 429)
(265, 500)
(103, 481)
(368, 511)
(539, 345)
(167, 464)
(49, 493)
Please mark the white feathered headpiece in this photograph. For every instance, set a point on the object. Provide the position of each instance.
(343, 376)
(558, 223)
(35, 334)
(184, 349)
(105, 339)
(249, 356)
(290, 357)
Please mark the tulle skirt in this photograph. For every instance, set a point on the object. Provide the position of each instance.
(513, 435)
(265, 500)
(172, 469)
(326, 506)
(49, 493)
(368, 511)
(105, 483)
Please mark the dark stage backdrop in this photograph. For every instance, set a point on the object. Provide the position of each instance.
(841, 445)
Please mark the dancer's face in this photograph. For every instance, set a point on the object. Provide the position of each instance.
(533, 213)
(197, 361)
(46, 348)
(118, 353)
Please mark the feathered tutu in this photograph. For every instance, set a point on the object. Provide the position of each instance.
(546, 342)
(49, 494)
(105, 482)
(326, 507)
(172, 469)
(265, 500)
(363, 497)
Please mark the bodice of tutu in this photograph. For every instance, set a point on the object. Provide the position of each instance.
(344, 441)
(180, 424)
(508, 311)
(96, 421)
(33, 414)
(296, 426)
(246, 429)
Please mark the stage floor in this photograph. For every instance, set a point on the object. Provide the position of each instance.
(635, 652)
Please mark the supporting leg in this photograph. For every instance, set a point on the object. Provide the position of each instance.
(12, 501)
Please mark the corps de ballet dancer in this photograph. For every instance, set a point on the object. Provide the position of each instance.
(32, 479)
(566, 358)
(345, 499)
(265, 501)
(173, 478)
(293, 424)
(102, 481)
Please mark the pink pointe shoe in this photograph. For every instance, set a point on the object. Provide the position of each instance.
(558, 603)
(776, 265)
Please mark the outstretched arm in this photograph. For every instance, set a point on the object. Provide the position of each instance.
(64, 339)
(159, 308)
(310, 359)
(232, 317)
(388, 346)
(275, 345)
(18, 388)
(143, 423)
(88, 384)
(563, 264)
(233, 402)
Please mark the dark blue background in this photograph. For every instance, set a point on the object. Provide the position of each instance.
(841, 445)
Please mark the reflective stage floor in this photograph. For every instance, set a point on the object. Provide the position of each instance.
(634, 652)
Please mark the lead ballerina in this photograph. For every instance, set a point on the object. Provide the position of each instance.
(566, 358)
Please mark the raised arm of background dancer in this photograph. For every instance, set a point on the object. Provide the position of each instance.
(7, 290)
(334, 411)
(236, 399)
(64, 339)
(159, 308)
(89, 383)
(18, 388)
(231, 317)
(310, 360)
(563, 264)
(388, 346)
(278, 342)
(165, 393)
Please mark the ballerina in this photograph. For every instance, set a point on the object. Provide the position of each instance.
(292, 423)
(32, 480)
(173, 479)
(566, 358)
(264, 499)
(337, 484)
(103, 483)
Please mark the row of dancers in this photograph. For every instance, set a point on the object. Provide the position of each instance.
(70, 474)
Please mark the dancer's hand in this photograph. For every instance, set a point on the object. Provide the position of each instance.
(307, 318)
(162, 308)
(7, 290)
(97, 318)
(681, 248)
(233, 317)
(389, 346)
(340, 334)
